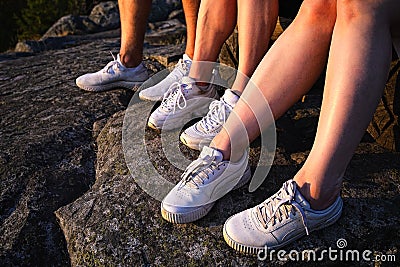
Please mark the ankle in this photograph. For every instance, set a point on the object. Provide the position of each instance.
(129, 61)
(320, 195)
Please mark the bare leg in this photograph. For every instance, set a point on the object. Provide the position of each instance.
(191, 9)
(217, 20)
(287, 71)
(256, 23)
(133, 14)
(357, 71)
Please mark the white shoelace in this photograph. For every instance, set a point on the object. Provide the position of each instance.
(172, 98)
(280, 206)
(199, 171)
(112, 65)
(216, 116)
(182, 67)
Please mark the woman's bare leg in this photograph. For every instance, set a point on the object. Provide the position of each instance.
(286, 72)
(358, 66)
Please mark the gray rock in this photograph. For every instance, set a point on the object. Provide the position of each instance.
(177, 14)
(47, 156)
(71, 25)
(385, 125)
(166, 32)
(29, 47)
(167, 55)
(230, 51)
(161, 9)
(105, 15)
(68, 198)
(116, 222)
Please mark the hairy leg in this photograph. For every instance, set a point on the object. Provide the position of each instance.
(133, 15)
(287, 71)
(191, 9)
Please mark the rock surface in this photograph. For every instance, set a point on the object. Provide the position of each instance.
(67, 196)
(56, 156)
(105, 17)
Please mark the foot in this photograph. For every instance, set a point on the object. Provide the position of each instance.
(156, 92)
(113, 75)
(279, 220)
(178, 106)
(202, 133)
(204, 181)
(182, 68)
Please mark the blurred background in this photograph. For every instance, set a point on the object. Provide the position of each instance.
(30, 19)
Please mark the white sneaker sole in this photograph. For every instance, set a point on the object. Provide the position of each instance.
(150, 98)
(252, 250)
(192, 143)
(110, 86)
(196, 111)
(201, 211)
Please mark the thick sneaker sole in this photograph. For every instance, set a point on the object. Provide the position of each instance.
(251, 250)
(110, 86)
(201, 211)
(180, 121)
(192, 143)
(150, 98)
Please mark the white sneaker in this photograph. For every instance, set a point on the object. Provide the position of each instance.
(203, 132)
(178, 106)
(204, 181)
(156, 92)
(113, 75)
(279, 220)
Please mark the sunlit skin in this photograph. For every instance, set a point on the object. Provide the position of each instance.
(133, 16)
(218, 19)
(356, 34)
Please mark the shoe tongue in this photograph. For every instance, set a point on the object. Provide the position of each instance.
(187, 60)
(299, 198)
(187, 82)
(230, 98)
(211, 152)
(119, 61)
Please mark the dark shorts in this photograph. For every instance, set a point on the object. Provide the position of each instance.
(289, 8)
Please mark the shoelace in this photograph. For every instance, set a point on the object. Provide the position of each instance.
(199, 171)
(111, 65)
(173, 97)
(182, 67)
(216, 116)
(280, 206)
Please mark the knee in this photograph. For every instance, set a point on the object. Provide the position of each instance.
(320, 13)
(354, 10)
(318, 10)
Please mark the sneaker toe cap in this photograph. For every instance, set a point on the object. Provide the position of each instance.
(150, 94)
(241, 230)
(88, 79)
